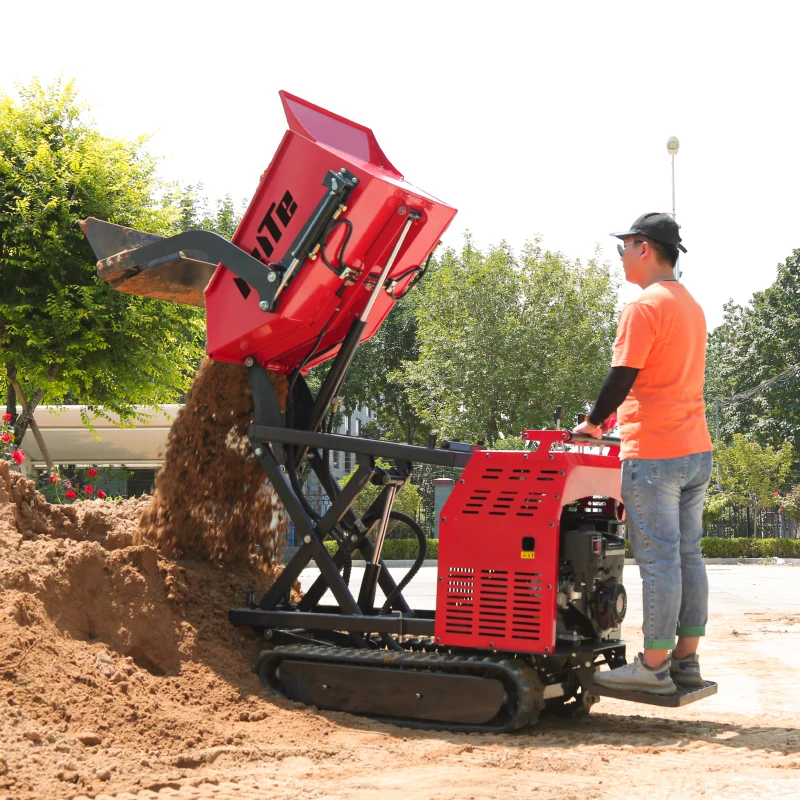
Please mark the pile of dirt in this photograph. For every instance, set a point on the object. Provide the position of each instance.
(24, 510)
(115, 657)
(114, 660)
(212, 499)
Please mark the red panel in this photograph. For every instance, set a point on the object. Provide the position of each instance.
(324, 127)
(492, 593)
(289, 191)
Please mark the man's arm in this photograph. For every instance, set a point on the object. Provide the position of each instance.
(614, 390)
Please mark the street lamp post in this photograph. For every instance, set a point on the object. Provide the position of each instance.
(672, 148)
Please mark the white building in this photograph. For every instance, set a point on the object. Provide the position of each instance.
(141, 448)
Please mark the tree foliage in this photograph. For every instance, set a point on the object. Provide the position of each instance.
(377, 377)
(749, 474)
(755, 344)
(198, 212)
(62, 329)
(504, 339)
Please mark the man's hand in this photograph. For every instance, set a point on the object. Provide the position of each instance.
(587, 429)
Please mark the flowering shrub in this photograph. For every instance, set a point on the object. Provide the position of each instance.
(59, 489)
(8, 451)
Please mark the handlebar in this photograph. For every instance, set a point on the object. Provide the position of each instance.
(603, 441)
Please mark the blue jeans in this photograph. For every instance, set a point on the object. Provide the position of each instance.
(664, 513)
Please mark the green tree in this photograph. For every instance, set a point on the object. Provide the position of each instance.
(503, 340)
(377, 377)
(197, 212)
(63, 331)
(754, 358)
(751, 475)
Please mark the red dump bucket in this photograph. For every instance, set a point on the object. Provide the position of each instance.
(318, 295)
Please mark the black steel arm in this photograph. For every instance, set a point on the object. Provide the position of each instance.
(214, 247)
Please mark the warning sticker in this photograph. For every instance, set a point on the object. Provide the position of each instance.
(526, 554)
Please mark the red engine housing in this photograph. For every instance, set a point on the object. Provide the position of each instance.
(290, 188)
(499, 542)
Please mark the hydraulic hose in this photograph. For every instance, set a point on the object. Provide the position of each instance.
(370, 519)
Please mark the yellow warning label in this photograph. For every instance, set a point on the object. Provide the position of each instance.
(526, 554)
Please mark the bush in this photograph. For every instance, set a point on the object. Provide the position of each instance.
(406, 549)
(714, 547)
(400, 549)
(750, 548)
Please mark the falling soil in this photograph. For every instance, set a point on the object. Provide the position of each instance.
(212, 499)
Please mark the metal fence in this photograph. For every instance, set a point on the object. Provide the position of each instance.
(740, 522)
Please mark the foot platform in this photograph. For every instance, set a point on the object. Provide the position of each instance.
(684, 695)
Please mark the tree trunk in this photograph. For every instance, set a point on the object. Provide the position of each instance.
(23, 421)
(11, 403)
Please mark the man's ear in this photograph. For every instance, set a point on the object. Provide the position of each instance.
(647, 250)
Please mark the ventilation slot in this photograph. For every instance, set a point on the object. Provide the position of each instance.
(476, 501)
(526, 606)
(493, 603)
(529, 504)
(460, 606)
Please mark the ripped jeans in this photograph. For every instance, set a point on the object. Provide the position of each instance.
(664, 508)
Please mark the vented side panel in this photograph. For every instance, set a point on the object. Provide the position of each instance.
(498, 544)
(459, 609)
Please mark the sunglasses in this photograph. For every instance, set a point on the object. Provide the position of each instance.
(621, 248)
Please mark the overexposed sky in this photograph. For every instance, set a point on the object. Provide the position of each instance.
(548, 118)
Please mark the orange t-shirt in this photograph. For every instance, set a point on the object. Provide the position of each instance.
(663, 335)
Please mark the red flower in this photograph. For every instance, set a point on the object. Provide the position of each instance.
(53, 479)
(71, 494)
(776, 494)
(101, 495)
(6, 417)
(88, 489)
(6, 437)
(18, 456)
(91, 473)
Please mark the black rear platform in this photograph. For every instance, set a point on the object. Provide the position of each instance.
(684, 695)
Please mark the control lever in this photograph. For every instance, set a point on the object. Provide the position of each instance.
(557, 418)
(603, 441)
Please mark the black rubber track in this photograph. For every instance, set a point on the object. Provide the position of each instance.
(523, 688)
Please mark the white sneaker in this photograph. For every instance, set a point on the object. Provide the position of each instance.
(638, 677)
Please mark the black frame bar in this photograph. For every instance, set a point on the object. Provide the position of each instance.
(354, 444)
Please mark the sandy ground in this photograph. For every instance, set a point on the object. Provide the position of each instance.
(120, 676)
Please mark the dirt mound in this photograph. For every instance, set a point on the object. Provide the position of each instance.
(112, 656)
(212, 499)
(27, 513)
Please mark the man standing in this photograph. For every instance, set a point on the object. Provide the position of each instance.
(656, 386)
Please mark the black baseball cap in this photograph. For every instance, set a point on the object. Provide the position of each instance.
(655, 226)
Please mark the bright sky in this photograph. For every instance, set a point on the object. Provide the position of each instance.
(548, 118)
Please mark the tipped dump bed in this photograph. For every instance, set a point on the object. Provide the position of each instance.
(329, 214)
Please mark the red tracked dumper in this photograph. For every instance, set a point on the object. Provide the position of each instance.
(530, 597)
